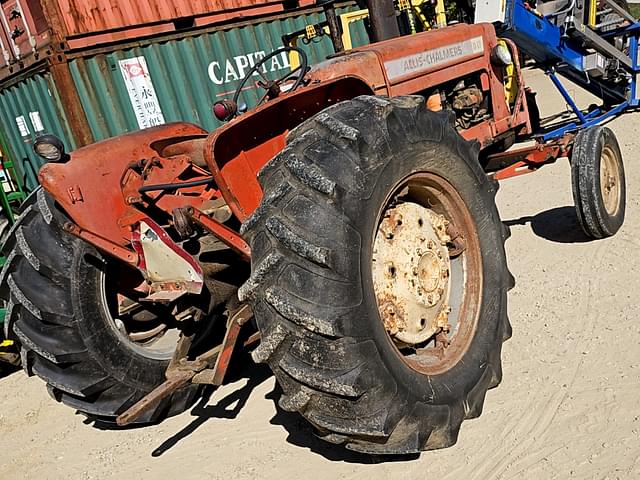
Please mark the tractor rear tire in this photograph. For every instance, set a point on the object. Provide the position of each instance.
(312, 285)
(56, 311)
(598, 181)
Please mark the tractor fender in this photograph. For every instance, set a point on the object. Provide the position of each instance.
(236, 152)
(88, 186)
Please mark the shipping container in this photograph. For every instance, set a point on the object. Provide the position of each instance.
(28, 109)
(106, 91)
(186, 76)
(88, 17)
(37, 31)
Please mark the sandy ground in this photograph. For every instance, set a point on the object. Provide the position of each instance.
(567, 408)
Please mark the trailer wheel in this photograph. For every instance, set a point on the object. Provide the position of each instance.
(379, 280)
(61, 295)
(598, 181)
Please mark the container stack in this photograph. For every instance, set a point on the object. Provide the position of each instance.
(86, 70)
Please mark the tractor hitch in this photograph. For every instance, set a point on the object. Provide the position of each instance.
(209, 368)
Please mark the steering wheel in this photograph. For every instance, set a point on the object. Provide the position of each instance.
(272, 87)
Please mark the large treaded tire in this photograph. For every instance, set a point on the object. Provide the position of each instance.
(55, 311)
(311, 286)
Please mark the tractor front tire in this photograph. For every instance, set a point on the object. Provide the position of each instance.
(598, 182)
(320, 276)
(52, 283)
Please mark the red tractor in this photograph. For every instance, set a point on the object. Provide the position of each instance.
(347, 224)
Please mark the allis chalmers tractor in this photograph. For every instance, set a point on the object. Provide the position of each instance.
(347, 224)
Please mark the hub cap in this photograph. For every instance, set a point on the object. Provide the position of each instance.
(411, 273)
(609, 181)
(426, 269)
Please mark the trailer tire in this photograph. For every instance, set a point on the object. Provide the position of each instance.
(598, 182)
(312, 286)
(51, 283)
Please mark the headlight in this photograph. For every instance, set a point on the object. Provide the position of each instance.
(501, 55)
(50, 148)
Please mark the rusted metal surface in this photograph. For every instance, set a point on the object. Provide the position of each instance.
(411, 271)
(176, 381)
(419, 274)
(71, 104)
(398, 67)
(83, 197)
(23, 28)
(208, 368)
(224, 233)
(112, 249)
(82, 17)
(239, 318)
(54, 18)
(521, 161)
(235, 158)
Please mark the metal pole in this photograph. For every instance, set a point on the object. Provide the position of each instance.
(61, 75)
(383, 20)
(334, 26)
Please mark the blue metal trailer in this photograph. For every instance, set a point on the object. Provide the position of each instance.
(593, 43)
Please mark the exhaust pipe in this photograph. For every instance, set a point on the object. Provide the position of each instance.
(382, 15)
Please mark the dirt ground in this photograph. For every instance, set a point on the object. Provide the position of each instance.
(567, 408)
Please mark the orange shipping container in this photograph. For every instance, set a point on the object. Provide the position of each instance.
(87, 17)
(84, 16)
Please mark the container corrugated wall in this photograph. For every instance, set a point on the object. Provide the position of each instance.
(85, 16)
(189, 74)
(28, 109)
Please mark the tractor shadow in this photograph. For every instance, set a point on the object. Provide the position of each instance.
(560, 225)
(300, 432)
(7, 369)
(228, 407)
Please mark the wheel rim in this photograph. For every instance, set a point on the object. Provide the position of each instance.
(147, 329)
(610, 181)
(427, 273)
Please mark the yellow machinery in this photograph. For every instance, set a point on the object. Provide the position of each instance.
(417, 9)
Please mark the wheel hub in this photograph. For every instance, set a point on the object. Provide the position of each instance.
(609, 185)
(411, 269)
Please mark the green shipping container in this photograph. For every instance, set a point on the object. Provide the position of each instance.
(28, 109)
(183, 77)
(174, 78)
